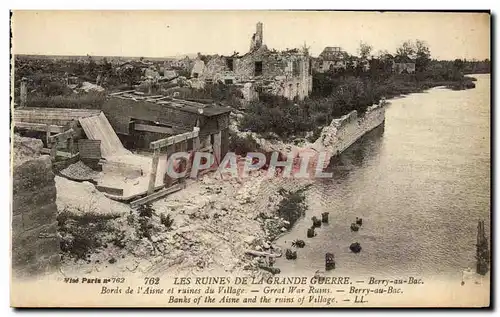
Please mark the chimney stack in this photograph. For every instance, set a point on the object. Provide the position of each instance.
(259, 35)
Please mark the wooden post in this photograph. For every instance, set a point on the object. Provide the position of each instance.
(154, 168)
(48, 134)
(183, 165)
(216, 147)
(167, 180)
(71, 146)
(196, 144)
(53, 150)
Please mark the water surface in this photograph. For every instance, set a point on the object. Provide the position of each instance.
(421, 182)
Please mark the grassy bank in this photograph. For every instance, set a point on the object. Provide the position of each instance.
(336, 94)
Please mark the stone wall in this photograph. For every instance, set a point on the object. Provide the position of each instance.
(286, 74)
(344, 131)
(35, 244)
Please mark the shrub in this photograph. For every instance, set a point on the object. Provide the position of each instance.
(81, 232)
(167, 221)
(242, 145)
(146, 210)
(292, 207)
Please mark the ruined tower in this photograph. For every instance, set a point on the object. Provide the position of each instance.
(257, 38)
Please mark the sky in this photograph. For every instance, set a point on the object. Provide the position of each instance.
(173, 33)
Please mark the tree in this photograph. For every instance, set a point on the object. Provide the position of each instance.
(364, 50)
(407, 50)
(383, 54)
(423, 55)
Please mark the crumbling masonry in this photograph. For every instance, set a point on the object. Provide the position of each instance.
(286, 73)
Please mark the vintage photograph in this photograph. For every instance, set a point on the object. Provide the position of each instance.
(250, 159)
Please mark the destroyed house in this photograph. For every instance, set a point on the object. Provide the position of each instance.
(331, 59)
(285, 73)
(140, 119)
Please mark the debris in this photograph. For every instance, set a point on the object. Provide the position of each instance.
(86, 86)
(329, 261)
(258, 253)
(271, 269)
(311, 233)
(359, 221)
(355, 247)
(324, 217)
(298, 243)
(316, 222)
(79, 171)
(290, 255)
(354, 227)
(250, 239)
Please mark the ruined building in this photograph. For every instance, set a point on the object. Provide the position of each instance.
(286, 73)
(331, 59)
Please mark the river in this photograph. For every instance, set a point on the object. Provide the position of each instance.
(421, 182)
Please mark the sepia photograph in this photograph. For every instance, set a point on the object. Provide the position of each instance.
(319, 159)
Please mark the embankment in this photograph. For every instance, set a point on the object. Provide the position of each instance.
(344, 131)
(35, 244)
(334, 138)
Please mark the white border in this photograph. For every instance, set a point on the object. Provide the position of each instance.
(189, 5)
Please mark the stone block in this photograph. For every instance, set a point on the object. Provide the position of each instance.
(33, 175)
(28, 200)
(39, 216)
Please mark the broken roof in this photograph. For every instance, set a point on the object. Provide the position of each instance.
(207, 110)
(403, 59)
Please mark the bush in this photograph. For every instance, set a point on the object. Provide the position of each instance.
(292, 207)
(81, 232)
(242, 145)
(167, 221)
(289, 119)
(145, 210)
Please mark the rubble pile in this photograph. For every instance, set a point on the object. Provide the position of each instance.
(213, 224)
(79, 171)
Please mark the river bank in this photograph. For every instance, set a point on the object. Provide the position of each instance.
(217, 219)
(213, 222)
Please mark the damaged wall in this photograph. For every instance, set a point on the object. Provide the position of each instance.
(35, 245)
(120, 112)
(286, 73)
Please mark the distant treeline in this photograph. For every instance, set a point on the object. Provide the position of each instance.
(477, 67)
(339, 92)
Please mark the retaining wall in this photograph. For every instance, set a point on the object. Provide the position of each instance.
(344, 131)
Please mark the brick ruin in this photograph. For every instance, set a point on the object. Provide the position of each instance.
(285, 73)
